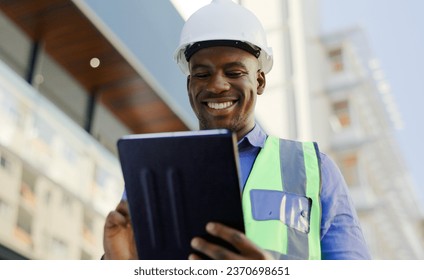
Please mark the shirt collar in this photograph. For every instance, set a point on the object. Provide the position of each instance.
(256, 138)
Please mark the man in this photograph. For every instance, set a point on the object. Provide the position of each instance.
(223, 51)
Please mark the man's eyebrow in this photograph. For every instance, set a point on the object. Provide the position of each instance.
(235, 64)
(199, 66)
(227, 65)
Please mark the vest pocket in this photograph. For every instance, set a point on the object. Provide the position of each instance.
(291, 209)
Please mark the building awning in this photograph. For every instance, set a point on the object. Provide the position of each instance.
(71, 39)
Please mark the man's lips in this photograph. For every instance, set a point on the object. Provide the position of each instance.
(220, 105)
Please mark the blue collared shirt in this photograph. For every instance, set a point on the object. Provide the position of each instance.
(341, 234)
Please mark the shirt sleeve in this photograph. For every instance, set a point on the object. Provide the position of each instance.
(341, 234)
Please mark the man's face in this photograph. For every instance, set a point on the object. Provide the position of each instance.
(223, 86)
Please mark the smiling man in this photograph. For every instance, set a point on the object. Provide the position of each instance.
(295, 201)
(223, 85)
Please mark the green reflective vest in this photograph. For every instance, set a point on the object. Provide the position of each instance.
(281, 199)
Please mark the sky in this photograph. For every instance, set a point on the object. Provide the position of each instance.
(395, 30)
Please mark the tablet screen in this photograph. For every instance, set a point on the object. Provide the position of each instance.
(176, 183)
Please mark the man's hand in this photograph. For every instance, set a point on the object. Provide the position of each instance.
(248, 250)
(118, 236)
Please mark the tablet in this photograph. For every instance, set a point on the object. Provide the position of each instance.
(175, 184)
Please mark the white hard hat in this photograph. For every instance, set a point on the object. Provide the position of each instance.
(223, 23)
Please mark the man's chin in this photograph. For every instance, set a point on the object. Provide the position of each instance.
(218, 126)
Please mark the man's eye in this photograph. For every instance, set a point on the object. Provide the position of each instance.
(234, 74)
(201, 75)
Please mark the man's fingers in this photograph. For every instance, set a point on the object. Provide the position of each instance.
(118, 217)
(237, 239)
(232, 236)
(114, 218)
(118, 238)
(213, 251)
(194, 257)
(123, 208)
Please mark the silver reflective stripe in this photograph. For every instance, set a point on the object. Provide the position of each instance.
(294, 181)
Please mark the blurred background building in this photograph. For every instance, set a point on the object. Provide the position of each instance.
(330, 88)
(77, 75)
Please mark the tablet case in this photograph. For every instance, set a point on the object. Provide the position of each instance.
(176, 183)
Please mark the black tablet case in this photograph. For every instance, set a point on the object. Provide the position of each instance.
(176, 183)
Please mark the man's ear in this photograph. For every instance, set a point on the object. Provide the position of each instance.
(261, 82)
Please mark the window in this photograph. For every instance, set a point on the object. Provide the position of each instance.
(349, 169)
(28, 185)
(85, 255)
(336, 60)
(341, 112)
(47, 197)
(4, 208)
(67, 203)
(101, 176)
(58, 248)
(15, 46)
(4, 162)
(69, 154)
(88, 228)
(44, 130)
(24, 226)
(24, 220)
(12, 109)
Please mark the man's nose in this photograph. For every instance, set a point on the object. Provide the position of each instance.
(218, 84)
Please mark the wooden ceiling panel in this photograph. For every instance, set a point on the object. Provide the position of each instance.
(34, 16)
(130, 85)
(155, 110)
(127, 99)
(72, 40)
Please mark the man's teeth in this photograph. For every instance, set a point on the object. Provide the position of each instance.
(219, 106)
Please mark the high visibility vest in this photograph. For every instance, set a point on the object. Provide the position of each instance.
(281, 199)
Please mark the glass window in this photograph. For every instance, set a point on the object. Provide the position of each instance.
(101, 176)
(24, 222)
(336, 60)
(88, 228)
(349, 169)
(47, 197)
(9, 106)
(58, 248)
(85, 255)
(45, 130)
(15, 46)
(4, 208)
(28, 184)
(67, 203)
(69, 153)
(5, 163)
(342, 113)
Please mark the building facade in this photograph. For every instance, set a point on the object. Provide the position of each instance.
(329, 88)
(69, 88)
(363, 118)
